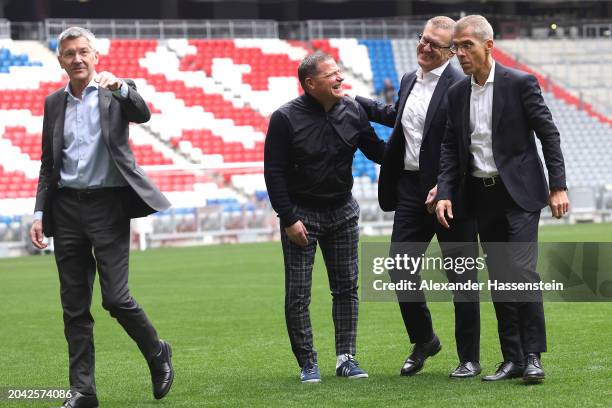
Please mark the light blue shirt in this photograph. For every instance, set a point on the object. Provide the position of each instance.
(86, 162)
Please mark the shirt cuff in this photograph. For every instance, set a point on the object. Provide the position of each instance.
(288, 220)
(38, 215)
(122, 92)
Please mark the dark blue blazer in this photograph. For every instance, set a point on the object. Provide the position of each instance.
(519, 112)
(433, 132)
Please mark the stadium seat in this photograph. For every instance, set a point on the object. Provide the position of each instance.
(211, 99)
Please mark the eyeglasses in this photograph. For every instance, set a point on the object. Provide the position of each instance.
(434, 46)
(464, 46)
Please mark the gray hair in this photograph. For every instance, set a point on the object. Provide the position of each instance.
(442, 22)
(75, 32)
(482, 28)
(308, 66)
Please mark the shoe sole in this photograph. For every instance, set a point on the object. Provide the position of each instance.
(171, 370)
(533, 380)
(461, 377)
(412, 373)
(501, 379)
(358, 376)
(315, 381)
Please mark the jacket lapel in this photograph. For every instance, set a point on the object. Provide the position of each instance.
(499, 84)
(58, 130)
(467, 94)
(104, 100)
(403, 98)
(436, 98)
(397, 143)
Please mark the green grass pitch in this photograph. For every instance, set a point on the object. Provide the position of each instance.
(221, 307)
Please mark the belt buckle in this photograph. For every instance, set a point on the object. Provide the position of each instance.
(488, 181)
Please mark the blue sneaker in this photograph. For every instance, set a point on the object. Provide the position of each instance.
(310, 373)
(350, 369)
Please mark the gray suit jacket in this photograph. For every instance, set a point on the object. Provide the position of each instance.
(143, 196)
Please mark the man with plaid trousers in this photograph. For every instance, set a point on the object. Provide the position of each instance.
(309, 151)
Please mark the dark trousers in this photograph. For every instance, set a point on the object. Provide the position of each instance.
(337, 233)
(413, 229)
(520, 324)
(94, 231)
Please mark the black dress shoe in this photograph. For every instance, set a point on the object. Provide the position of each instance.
(78, 400)
(506, 371)
(534, 373)
(162, 373)
(421, 351)
(466, 369)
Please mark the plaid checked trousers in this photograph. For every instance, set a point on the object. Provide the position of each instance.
(337, 233)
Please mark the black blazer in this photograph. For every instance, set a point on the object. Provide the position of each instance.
(143, 197)
(433, 132)
(519, 111)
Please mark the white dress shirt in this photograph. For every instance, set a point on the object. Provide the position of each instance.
(86, 162)
(415, 112)
(481, 115)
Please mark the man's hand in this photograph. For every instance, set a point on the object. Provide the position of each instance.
(107, 80)
(297, 234)
(442, 208)
(36, 235)
(430, 202)
(558, 202)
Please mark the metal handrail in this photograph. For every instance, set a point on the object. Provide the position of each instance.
(392, 27)
(164, 29)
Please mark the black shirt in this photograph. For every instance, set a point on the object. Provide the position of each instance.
(308, 154)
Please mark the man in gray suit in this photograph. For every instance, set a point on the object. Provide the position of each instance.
(88, 190)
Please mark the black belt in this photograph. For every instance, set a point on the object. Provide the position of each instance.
(90, 193)
(488, 181)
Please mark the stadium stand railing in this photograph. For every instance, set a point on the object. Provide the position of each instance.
(363, 29)
(163, 29)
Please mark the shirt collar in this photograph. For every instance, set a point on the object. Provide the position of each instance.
(433, 73)
(489, 78)
(91, 85)
(314, 103)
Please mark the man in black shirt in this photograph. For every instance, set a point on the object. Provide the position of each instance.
(308, 160)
